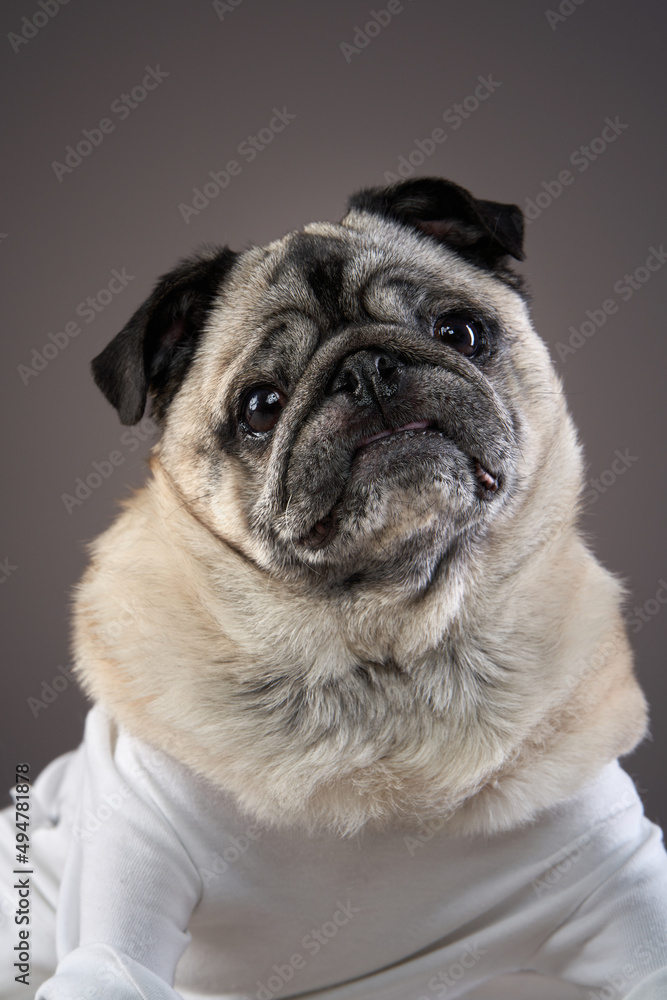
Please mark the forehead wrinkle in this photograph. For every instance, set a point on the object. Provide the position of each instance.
(387, 297)
(269, 287)
(287, 352)
(322, 267)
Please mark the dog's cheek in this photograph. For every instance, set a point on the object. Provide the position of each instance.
(200, 476)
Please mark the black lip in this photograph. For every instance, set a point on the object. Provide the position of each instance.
(415, 425)
(323, 531)
(488, 480)
(326, 528)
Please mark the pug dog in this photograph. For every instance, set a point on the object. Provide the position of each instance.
(359, 684)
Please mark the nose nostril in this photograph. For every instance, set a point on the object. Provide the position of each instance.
(367, 375)
(384, 365)
(347, 381)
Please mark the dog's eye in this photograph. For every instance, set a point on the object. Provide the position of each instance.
(262, 408)
(460, 332)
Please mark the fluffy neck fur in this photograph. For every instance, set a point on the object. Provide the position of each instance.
(497, 694)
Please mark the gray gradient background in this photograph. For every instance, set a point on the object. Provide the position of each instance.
(119, 208)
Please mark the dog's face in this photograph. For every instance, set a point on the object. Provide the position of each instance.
(353, 586)
(354, 404)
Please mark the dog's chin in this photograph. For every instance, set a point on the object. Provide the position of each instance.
(409, 495)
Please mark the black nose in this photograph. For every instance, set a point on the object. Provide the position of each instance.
(367, 376)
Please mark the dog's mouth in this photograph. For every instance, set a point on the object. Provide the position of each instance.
(325, 529)
(416, 425)
(487, 480)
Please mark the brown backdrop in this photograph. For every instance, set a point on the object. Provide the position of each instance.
(535, 87)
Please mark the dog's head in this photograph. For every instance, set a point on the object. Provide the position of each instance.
(353, 403)
(354, 586)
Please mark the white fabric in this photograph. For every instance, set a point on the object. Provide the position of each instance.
(162, 880)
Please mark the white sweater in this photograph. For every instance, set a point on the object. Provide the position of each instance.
(167, 890)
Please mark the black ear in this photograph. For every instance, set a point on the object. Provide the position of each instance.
(484, 232)
(153, 351)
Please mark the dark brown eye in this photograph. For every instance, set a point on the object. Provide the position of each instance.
(460, 332)
(262, 408)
